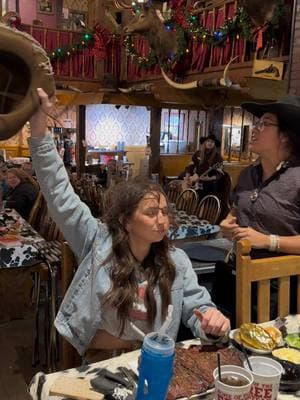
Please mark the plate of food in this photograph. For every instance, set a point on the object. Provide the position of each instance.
(289, 358)
(293, 340)
(193, 369)
(10, 240)
(258, 338)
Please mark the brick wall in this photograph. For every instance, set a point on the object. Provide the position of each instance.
(294, 87)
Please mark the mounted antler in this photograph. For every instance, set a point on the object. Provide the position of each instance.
(206, 83)
(122, 6)
(259, 11)
(140, 87)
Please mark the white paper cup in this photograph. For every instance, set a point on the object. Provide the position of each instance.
(266, 374)
(228, 392)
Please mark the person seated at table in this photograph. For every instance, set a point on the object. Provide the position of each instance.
(128, 273)
(206, 168)
(22, 193)
(266, 208)
(4, 187)
(102, 175)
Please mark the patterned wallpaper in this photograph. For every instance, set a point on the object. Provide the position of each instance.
(106, 125)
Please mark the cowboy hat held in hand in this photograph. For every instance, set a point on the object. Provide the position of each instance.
(24, 67)
(210, 137)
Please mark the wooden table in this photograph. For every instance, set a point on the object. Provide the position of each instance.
(41, 383)
(190, 227)
(21, 251)
(17, 257)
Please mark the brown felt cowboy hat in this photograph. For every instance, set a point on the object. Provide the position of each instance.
(210, 137)
(286, 108)
(24, 66)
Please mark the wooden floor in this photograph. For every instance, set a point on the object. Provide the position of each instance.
(16, 371)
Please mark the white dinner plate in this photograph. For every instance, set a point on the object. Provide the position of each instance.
(233, 336)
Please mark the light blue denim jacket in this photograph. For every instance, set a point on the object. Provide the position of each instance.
(80, 311)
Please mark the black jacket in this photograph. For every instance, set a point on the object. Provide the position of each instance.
(21, 198)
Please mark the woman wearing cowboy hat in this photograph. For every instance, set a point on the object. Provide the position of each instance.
(266, 208)
(204, 171)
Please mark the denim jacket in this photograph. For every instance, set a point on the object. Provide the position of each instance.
(80, 312)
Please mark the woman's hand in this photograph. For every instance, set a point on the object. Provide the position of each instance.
(258, 240)
(213, 322)
(38, 122)
(208, 178)
(228, 226)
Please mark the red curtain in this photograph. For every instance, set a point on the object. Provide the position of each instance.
(217, 51)
(201, 50)
(227, 49)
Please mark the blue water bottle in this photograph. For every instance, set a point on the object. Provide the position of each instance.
(156, 367)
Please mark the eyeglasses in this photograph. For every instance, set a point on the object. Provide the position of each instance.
(261, 124)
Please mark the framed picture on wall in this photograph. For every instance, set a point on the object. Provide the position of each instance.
(45, 6)
(77, 20)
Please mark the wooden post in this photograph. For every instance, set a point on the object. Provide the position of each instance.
(155, 121)
(80, 140)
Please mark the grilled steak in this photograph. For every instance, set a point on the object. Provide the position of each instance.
(193, 369)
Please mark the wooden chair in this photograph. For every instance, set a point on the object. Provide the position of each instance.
(69, 356)
(187, 201)
(209, 208)
(173, 190)
(262, 271)
(38, 212)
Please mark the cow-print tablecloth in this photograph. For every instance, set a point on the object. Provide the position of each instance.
(17, 254)
(41, 383)
(190, 226)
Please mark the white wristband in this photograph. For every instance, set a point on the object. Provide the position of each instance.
(274, 243)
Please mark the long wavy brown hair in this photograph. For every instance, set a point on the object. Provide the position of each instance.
(123, 200)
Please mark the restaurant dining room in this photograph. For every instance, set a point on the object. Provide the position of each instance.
(149, 200)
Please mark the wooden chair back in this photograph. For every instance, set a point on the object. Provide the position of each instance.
(187, 201)
(173, 190)
(38, 212)
(69, 358)
(262, 271)
(209, 208)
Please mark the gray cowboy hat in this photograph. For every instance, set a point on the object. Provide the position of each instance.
(210, 137)
(286, 108)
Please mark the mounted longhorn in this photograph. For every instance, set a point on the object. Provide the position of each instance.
(149, 23)
(259, 11)
(140, 87)
(206, 83)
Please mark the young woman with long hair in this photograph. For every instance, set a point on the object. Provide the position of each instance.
(128, 272)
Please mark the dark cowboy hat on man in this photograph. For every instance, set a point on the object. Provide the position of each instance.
(24, 67)
(287, 109)
(210, 137)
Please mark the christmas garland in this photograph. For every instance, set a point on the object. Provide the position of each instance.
(62, 52)
(238, 27)
(151, 60)
(187, 27)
